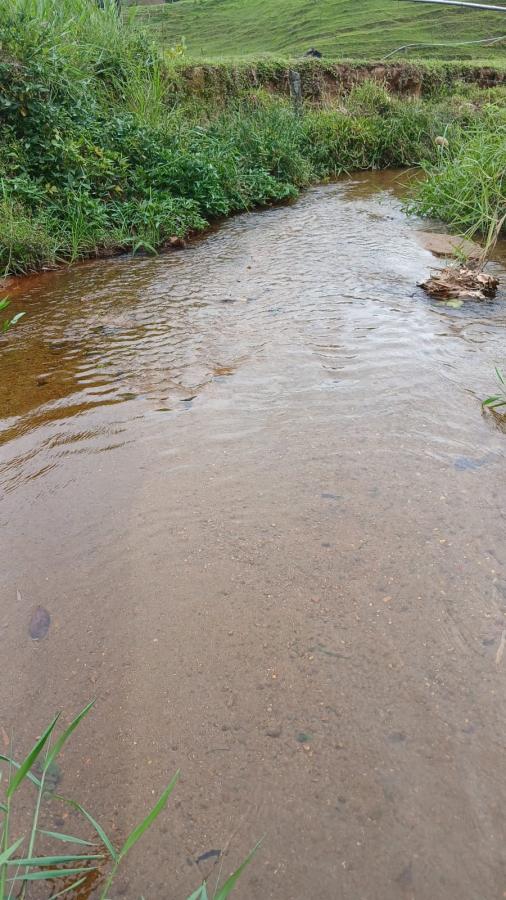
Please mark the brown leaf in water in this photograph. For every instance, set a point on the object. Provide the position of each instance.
(460, 283)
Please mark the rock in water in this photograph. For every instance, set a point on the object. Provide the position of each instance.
(448, 245)
(39, 624)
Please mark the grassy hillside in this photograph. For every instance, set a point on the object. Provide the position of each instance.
(338, 28)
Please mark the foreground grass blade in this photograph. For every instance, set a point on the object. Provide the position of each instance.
(98, 828)
(50, 756)
(12, 762)
(494, 402)
(66, 838)
(52, 873)
(53, 753)
(199, 894)
(5, 856)
(137, 833)
(231, 882)
(28, 762)
(71, 887)
(53, 860)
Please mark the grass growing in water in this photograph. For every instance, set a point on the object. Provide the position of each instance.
(497, 401)
(21, 870)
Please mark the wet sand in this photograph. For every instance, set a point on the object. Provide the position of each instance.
(252, 485)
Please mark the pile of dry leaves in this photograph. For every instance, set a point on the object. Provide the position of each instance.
(460, 283)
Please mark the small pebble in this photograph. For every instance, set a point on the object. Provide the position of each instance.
(274, 732)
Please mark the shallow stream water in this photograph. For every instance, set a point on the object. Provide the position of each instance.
(252, 485)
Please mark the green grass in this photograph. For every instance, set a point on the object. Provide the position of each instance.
(21, 863)
(107, 147)
(466, 185)
(497, 401)
(368, 29)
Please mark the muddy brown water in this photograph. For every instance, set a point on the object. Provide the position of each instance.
(252, 487)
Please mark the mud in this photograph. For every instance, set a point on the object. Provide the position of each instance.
(270, 535)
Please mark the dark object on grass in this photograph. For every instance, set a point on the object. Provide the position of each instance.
(39, 624)
(453, 283)
(313, 52)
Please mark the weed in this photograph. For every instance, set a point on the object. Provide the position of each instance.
(8, 323)
(20, 870)
(25, 242)
(466, 185)
(497, 401)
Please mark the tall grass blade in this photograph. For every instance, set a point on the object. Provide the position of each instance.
(139, 830)
(33, 778)
(199, 894)
(52, 873)
(59, 743)
(231, 882)
(71, 887)
(66, 838)
(6, 855)
(28, 762)
(98, 828)
(54, 860)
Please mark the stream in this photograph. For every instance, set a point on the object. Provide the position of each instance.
(252, 485)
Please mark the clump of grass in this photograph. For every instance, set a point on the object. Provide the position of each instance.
(25, 242)
(369, 97)
(19, 869)
(497, 401)
(466, 185)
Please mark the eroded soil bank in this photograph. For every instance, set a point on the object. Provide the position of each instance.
(252, 485)
(323, 81)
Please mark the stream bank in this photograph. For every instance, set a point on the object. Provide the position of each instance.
(107, 148)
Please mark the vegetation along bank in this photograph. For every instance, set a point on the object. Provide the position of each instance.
(109, 144)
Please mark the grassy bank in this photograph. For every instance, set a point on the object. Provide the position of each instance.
(466, 186)
(338, 28)
(106, 147)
